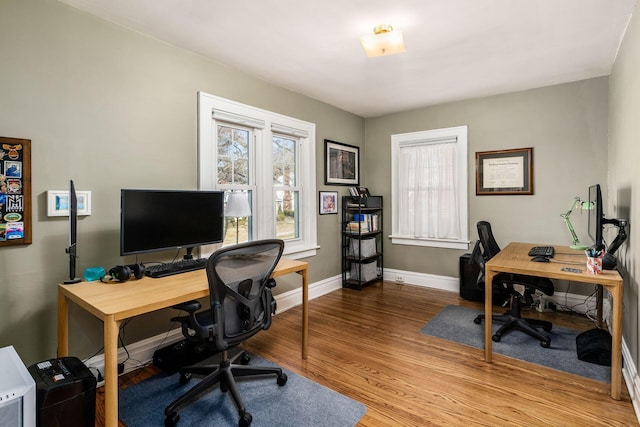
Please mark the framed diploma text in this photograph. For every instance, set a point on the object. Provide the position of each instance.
(504, 172)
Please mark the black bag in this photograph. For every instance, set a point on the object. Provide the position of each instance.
(594, 346)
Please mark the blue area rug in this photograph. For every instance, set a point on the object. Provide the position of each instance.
(300, 402)
(455, 323)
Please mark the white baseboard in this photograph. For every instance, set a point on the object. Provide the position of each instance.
(443, 283)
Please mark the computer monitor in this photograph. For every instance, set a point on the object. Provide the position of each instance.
(156, 220)
(596, 216)
(72, 249)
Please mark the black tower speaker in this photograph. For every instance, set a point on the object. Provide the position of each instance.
(469, 288)
(66, 393)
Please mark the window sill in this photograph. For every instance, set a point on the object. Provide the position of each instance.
(299, 252)
(433, 243)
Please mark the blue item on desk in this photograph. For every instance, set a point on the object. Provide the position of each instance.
(94, 273)
(540, 259)
(594, 253)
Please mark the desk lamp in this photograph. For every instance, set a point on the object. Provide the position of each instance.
(576, 203)
(237, 207)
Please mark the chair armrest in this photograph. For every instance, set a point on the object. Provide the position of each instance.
(189, 306)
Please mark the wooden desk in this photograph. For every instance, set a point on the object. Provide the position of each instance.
(114, 302)
(514, 259)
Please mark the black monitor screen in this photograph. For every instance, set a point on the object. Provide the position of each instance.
(154, 220)
(595, 215)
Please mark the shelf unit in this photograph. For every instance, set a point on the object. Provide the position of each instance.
(362, 254)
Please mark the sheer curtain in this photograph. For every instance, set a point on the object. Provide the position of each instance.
(428, 183)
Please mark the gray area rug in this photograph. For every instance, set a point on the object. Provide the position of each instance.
(455, 323)
(300, 402)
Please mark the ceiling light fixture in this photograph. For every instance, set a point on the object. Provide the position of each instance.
(383, 41)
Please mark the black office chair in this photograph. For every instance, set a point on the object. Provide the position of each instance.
(241, 305)
(485, 249)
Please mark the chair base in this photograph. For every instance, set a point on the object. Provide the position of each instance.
(224, 374)
(512, 320)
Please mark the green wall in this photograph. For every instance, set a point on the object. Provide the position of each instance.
(624, 178)
(565, 124)
(113, 109)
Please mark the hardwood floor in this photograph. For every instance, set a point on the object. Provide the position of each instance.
(367, 345)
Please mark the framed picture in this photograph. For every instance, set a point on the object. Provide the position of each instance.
(504, 172)
(328, 202)
(58, 203)
(15, 191)
(342, 163)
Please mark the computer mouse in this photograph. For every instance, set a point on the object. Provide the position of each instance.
(540, 259)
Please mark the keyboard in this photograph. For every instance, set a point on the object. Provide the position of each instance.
(177, 267)
(547, 251)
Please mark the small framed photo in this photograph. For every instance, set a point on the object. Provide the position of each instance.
(504, 172)
(328, 202)
(341, 163)
(58, 203)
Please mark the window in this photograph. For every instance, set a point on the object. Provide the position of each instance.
(285, 188)
(429, 188)
(270, 158)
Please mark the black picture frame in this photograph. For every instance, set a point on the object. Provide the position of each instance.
(328, 203)
(342, 163)
(505, 172)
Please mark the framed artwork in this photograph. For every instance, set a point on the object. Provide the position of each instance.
(341, 163)
(328, 202)
(504, 172)
(58, 203)
(15, 191)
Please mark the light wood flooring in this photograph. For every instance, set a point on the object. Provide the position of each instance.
(367, 345)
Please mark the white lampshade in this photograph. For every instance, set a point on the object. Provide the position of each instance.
(383, 41)
(237, 205)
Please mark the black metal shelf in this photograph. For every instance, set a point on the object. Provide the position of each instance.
(362, 253)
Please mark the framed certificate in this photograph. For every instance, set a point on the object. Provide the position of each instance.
(504, 172)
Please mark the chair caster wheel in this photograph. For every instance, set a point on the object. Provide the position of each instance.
(171, 419)
(496, 338)
(282, 379)
(245, 420)
(245, 359)
(477, 320)
(545, 344)
(185, 378)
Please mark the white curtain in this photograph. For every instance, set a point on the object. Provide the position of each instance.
(428, 183)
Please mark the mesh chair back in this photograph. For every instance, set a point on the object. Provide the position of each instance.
(241, 301)
(489, 245)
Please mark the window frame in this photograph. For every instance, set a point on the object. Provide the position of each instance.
(460, 133)
(213, 110)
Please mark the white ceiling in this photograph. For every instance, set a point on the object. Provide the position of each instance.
(455, 49)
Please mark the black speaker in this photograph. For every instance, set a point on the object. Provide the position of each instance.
(183, 353)
(469, 288)
(66, 393)
(594, 346)
(609, 262)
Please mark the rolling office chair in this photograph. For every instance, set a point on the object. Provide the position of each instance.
(485, 249)
(241, 305)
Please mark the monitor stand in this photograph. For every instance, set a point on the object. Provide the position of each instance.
(71, 250)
